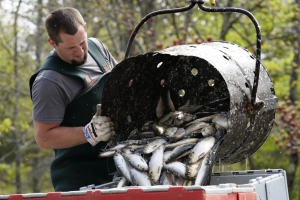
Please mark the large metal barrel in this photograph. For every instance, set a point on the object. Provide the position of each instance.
(214, 73)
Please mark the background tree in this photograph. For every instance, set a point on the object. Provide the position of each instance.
(24, 167)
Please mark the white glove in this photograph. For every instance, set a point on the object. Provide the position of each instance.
(99, 129)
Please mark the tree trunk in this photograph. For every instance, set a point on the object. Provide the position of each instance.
(292, 166)
(39, 38)
(16, 108)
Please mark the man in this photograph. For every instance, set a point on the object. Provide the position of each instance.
(65, 92)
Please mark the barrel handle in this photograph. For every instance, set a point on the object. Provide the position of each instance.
(256, 105)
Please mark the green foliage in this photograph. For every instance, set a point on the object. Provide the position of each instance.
(113, 21)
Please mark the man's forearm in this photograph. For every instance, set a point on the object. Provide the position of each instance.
(53, 136)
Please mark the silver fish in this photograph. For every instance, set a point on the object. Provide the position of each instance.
(166, 155)
(168, 117)
(184, 141)
(189, 108)
(177, 151)
(170, 102)
(131, 148)
(221, 120)
(179, 181)
(106, 154)
(203, 172)
(184, 154)
(140, 178)
(185, 116)
(192, 169)
(117, 147)
(142, 135)
(160, 108)
(122, 182)
(122, 166)
(156, 164)
(170, 132)
(176, 168)
(201, 148)
(166, 178)
(203, 119)
(179, 134)
(136, 161)
(195, 127)
(147, 126)
(208, 131)
(150, 147)
(159, 129)
(181, 118)
(207, 165)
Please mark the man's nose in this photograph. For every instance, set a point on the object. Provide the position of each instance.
(79, 49)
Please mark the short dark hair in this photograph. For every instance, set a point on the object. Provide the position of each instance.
(65, 20)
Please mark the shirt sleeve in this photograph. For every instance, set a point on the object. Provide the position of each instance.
(49, 100)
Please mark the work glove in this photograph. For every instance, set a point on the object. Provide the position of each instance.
(99, 129)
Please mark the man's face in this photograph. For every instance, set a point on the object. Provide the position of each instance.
(73, 48)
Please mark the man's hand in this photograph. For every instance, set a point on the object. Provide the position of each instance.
(99, 129)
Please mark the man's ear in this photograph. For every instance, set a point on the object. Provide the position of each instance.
(52, 43)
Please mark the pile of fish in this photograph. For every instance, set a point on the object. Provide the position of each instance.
(177, 149)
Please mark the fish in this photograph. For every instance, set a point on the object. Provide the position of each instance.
(184, 154)
(189, 108)
(156, 164)
(122, 182)
(178, 181)
(185, 116)
(166, 155)
(182, 118)
(179, 134)
(147, 126)
(170, 132)
(221, 120)
(208, 131)
(177, 151)
(122, 166)
(204, 174)
(168, 117)
(176, 168)
(203, 119)
(195, 127)
(150, 147)
(221, 132)
(184, 141)
(140, 178)
(170, 102)
(159, 129)
(201, 149)
(136, 161)
(142, 135)
(160, 108)
(106, 154)
(192, 169)
(131, 148)
(166, 178)
(117, 147)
